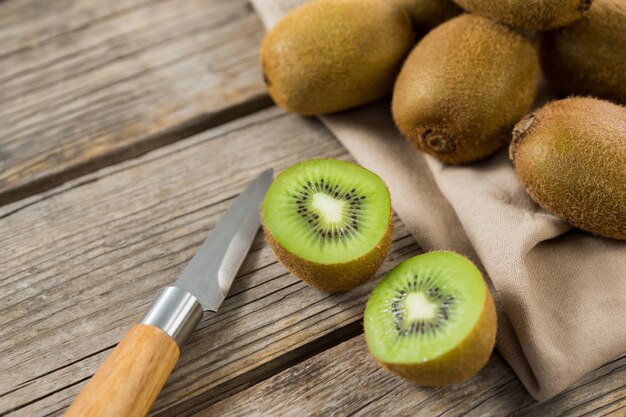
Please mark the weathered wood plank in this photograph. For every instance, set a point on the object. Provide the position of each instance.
(601, 393)
(84, 84)
(345, 381)
(82, 263)
(44, 24)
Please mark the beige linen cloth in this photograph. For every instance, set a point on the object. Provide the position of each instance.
(560, 292)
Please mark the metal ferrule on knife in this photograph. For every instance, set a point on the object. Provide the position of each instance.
(176, 312)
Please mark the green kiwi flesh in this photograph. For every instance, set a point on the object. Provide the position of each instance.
(431, 320)
(331, 55)
(428, 14)
(570, 155)
(329, 222)
(529, 14)
(589, 57)
(463, 88)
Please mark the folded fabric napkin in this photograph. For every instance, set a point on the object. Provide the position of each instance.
(560, 293)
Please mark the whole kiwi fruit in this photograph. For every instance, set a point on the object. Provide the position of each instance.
(331, 55)
(463, 88)
(571, 157)
(428, 14)
(529, 14)
(589, 57)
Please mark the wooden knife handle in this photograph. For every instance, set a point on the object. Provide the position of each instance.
(129, 381)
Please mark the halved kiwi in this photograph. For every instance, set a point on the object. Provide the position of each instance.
(329, 222)
(431, 320)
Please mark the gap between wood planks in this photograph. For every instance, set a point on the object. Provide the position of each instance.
(183, 131)
(345, 380)
(86, 85)
(263, 372)
(232, 386)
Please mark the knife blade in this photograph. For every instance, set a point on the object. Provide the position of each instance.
(211, 271)
(129, 381)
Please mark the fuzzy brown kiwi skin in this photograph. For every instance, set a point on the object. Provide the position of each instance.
(334, 277)
(589, 57)
(570, 156)
(428, 14)
(532, 15)
(332, 55)
(463, 88)
(459, 364)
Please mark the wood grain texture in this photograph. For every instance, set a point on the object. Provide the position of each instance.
(345, 381)
(82, 263)
(89, 84)
(84, 84)
(131, 378)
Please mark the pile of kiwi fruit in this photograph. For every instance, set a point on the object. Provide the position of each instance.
(462, 76)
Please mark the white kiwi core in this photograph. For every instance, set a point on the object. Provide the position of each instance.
(418, 307)
(330, 208)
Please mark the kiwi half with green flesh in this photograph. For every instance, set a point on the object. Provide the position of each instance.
(331, 55)
(329, 222)
(589, 57)
(463, 88)
(431, 320)
(570, 155)
(529, 14)
(428, 14)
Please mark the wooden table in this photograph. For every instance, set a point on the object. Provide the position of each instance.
(126, 129)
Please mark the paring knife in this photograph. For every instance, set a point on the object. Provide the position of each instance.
(129, 381)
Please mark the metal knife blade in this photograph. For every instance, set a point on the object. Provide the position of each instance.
(211, 271)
